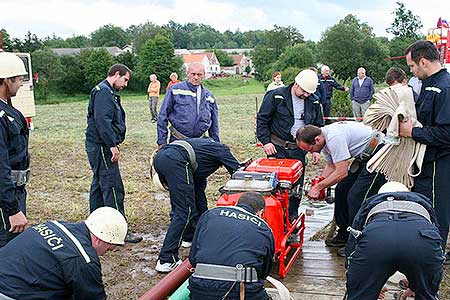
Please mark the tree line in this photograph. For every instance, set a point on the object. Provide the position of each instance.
(345, 46)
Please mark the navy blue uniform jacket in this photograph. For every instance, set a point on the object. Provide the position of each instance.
(433, 111)
(232, 235)
(210, 156)
(51, 261)
(276, 114)
(361, 216)
(13, 155)
(106, 117)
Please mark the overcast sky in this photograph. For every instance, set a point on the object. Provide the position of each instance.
(66, 18)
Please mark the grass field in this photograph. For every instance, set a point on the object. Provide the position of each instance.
(61, 176)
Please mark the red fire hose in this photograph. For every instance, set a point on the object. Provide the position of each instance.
(170, 283)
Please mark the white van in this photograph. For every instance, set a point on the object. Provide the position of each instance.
(24, 100)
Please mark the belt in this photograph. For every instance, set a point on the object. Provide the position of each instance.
(190, 151)
(238, 273)
(375, 139)
(176, 133)
(20, 177)
(282, 143)
(179, 136)
(4, 297)
(395, 206)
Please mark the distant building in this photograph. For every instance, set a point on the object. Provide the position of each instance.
(240, 62)
(114, 51)
(208, 59)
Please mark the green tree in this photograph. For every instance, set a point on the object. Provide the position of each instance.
(263, 57)
(29, 44)
(7, 45)
(225, 60)
(73, 80)
(109, 36)
(298, 56)
(48, 65)
(281, 37)
(351, 44)
(55, 42)
(406, 24)
(157, 56)
(142, 33)
(95, 65)
(78, 41)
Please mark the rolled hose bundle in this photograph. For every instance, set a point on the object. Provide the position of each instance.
(400, 159)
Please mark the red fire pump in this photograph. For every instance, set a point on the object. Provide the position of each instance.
(276, 179)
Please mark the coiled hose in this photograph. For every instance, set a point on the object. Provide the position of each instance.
(400, 159)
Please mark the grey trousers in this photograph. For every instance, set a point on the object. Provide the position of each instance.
(359, 109)
(153, 105)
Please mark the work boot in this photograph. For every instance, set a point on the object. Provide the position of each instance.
(336, 241)
(167, 267)
(133, 238)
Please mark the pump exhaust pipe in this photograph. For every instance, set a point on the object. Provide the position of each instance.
(170, 283)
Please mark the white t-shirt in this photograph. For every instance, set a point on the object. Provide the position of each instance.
(345, 140)
(298, 105)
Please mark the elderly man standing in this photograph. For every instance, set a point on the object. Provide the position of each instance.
(153, 96)
(361, 93)
(190, 108)
(326, 85)
(282, 112)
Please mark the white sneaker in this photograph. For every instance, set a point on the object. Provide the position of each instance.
(185, 244)
(167, 267)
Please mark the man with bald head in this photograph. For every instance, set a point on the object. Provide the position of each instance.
(361, 92)
(190, 108)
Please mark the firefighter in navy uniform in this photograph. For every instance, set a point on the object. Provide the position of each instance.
(232, 252)
(105, 132)
(394, 231)
(14, 158)
(282, 112)
(60, 260)
(433, 111)
(180, 165)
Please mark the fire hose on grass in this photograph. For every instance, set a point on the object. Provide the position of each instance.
(400, 159)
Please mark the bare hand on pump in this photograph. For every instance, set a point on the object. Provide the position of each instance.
(269, 149)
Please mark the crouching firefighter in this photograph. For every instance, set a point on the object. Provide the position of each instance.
(395, 230)
(183, 166)
(232, 252)
(59, 260)
(14, 158)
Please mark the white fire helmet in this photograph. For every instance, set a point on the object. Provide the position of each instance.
(307, 80)
(11, 65)
(154, 175)
(108, 224)
(392, 187)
